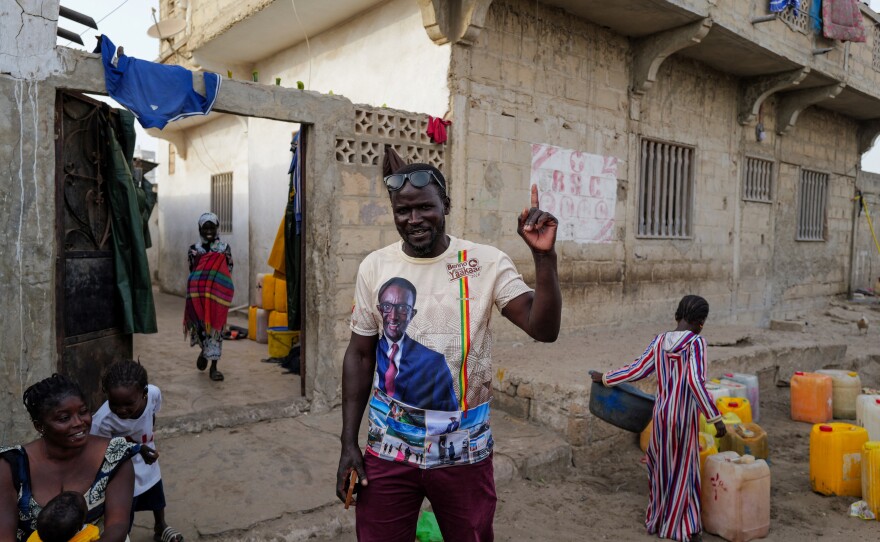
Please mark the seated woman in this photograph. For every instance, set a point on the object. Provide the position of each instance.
(65, 458)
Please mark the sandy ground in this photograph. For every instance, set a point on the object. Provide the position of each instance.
(607, 500)
(604, 501)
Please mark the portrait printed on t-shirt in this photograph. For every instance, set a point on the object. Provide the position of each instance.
(407, 370)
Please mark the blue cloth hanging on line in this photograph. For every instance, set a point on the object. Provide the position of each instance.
(157, 94)
(780, 5)
(816, 15)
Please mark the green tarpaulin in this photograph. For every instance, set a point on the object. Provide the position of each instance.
(127, 225)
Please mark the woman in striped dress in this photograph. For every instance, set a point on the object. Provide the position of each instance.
(679, 358)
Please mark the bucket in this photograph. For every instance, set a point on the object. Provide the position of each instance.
(623, 406)
(281, 340)
(278, 319)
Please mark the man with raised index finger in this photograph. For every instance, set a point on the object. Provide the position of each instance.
(457, 283)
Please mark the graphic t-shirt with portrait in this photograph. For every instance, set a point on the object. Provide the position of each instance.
(433, 376)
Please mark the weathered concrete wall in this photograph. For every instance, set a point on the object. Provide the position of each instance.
(804, 273)
(27, 207)
(27, 215)
(268, 162)
(552, 78)
(380, 57)
(866, 257)
(26, 144)
(219, 146)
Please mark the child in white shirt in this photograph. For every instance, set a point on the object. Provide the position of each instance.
(130, 412)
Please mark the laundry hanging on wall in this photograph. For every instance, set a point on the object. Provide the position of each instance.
(156, 93)
(437, 129)
(781, 5)
(130, 264)
(816, 15)
(842, 20)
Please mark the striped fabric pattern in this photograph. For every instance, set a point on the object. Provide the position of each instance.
(464, 292)
(209, 293)
(679, 359)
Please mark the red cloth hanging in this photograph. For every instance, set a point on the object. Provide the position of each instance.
(437, 129)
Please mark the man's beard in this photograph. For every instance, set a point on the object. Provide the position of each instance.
(424, 249)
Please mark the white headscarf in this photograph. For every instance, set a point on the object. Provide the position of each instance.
(216, 245)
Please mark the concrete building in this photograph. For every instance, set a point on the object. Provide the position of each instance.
(660, 99)
(672, 92)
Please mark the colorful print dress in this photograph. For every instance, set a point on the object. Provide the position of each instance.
(679, 359)
(118, 452)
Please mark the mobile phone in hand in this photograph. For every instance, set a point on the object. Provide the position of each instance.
(352, 481)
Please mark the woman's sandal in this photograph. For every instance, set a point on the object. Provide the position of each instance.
(216, 375)
(201, 363)
(170, 534)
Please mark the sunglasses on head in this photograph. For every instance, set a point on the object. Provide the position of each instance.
(418, 179)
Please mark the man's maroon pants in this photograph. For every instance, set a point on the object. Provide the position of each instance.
(462, 497)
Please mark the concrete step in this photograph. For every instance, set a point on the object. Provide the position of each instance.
(231, 416)
(549, 384)
(274, 479)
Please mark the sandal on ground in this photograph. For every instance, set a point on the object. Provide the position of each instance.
(201, 363)
(216, 375)
(170, 534)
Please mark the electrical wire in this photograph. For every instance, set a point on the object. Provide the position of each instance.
(99, 20)
(308, 47)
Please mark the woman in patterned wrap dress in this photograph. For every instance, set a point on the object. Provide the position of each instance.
(679, 359)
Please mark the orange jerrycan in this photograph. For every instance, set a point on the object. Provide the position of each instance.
(736, 496)
(871, 476)
(811, 397)
(737, 405)
(836, 459)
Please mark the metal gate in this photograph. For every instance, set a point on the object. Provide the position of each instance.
(88, 315)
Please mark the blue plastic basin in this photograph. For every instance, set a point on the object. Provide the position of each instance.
(623, 406)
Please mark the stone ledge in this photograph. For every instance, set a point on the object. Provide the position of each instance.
(787, 325)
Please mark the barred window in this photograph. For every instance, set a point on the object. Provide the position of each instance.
(221, 200)
(666, 187)
(758, 180)
(812, 202)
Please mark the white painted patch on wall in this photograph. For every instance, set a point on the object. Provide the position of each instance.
(580, 189)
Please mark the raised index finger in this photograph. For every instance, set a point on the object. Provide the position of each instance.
(534, 196)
